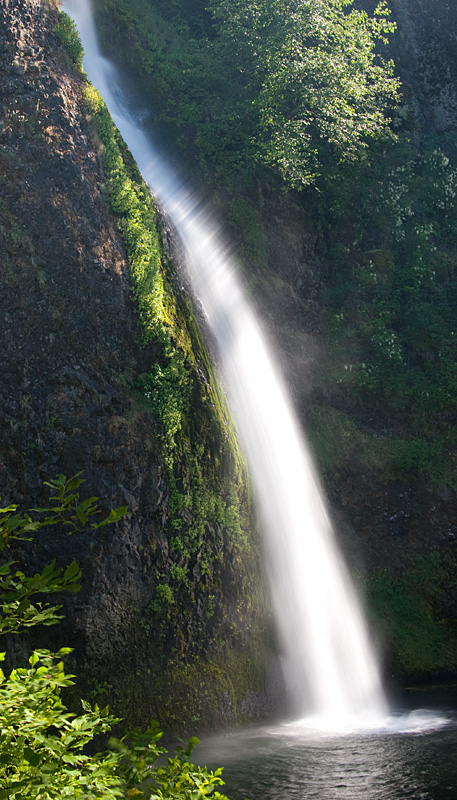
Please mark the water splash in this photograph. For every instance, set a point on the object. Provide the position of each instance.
(328, 661)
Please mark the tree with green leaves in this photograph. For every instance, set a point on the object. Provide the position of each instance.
(317, 85)
(293, 85)
(42, 744)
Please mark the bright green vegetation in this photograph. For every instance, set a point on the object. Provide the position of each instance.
(205, 473)
(280, 84)
(43, 747)
(69, 37)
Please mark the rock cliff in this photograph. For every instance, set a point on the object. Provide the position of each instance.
(165, 626)
(74, 361)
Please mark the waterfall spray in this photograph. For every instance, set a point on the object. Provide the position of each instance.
(329, 665)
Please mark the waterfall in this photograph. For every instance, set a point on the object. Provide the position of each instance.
(329, 665)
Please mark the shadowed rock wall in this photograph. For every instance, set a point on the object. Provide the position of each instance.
(71, 358)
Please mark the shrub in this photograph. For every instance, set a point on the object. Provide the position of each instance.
(43, 752)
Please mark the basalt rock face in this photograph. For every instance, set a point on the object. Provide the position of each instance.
(70, 355)
(69, 336)
(424, 49)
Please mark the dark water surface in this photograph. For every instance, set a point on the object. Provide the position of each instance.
(414, 756)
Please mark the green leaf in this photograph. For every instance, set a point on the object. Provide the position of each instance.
(85, 504)
(114, 515)
(59, 480)
(71, 571)
(81, 516)
(75, 482)
(31, 757)
(8, 509)
(5, 794)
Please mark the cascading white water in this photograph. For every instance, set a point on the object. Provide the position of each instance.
(328, 661)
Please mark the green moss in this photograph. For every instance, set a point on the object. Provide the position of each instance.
(410, 612)
(206, 689)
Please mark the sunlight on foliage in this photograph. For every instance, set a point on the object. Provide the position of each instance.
(43, 753)
(67, 34)
(293, 85)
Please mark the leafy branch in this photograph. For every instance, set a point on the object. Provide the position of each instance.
(16, 589)
(42, 744)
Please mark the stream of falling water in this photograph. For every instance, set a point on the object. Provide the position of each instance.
(329, 666)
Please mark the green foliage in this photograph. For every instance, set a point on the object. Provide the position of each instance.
(138, 223)
(168, 391)
(43, 751)
(93, 99)
(282, 83)
(408, 611)
(164, 594)
(67, 33)
(167, 386)
(17, 610)
(391, 299)
(319, 90)
(71, 514)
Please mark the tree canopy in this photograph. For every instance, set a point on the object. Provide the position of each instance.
(292, 85)
(316, 81)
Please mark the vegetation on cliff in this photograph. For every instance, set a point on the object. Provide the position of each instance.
(209, 504)
(209, 499)
(122, 388)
